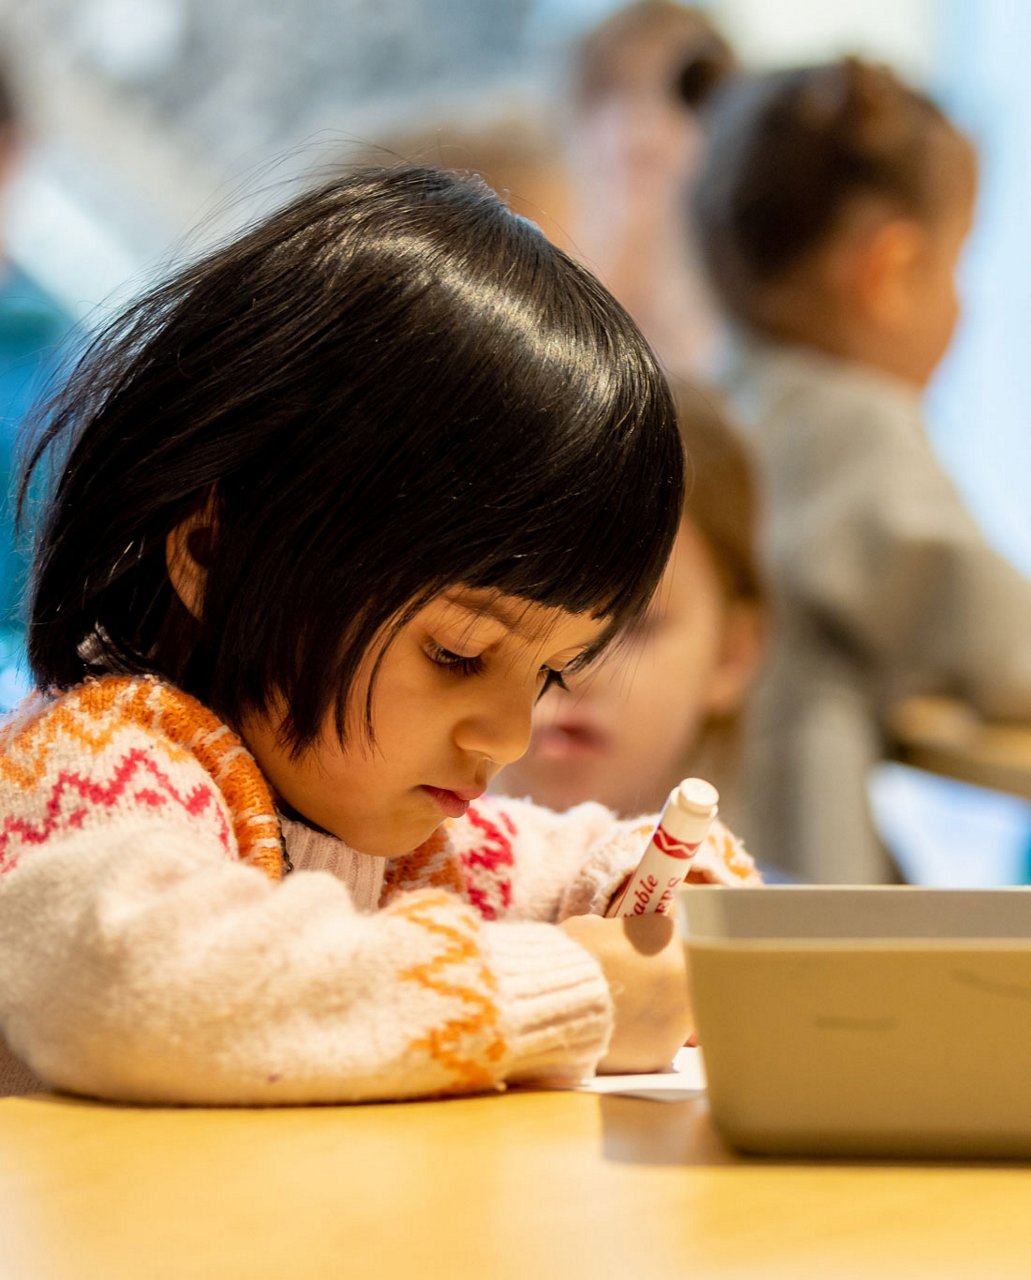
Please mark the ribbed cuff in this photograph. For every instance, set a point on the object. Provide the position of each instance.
(556, 1005)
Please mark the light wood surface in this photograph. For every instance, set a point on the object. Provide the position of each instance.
(526, 1186)
(944, 736)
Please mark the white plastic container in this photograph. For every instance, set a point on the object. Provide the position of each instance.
(888, 1021)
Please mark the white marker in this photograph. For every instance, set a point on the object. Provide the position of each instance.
(683, 825)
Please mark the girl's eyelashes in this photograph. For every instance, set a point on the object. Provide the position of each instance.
(461, 664)
(552, 680)
(474, 665)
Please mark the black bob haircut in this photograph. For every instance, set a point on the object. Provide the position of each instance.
(390, 387)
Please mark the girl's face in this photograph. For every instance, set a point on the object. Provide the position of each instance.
(452, 702)
(934, 286)
(624, 732)
(894, 288)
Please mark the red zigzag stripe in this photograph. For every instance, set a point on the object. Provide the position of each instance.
(106, 796)
(484, 867)
(672, 846)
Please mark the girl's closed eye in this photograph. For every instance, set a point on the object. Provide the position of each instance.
(460, 664)
(474, 665)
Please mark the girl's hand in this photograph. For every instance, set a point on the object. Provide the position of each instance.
(646, 968)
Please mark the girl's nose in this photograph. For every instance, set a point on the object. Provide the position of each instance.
(498, 728)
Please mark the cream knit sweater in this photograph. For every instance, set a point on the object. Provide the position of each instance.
(152, 950)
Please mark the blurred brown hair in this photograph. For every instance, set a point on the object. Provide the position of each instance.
(721, 496)
(722, 502)
(789, 152)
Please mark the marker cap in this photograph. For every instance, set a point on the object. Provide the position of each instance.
(690, 810)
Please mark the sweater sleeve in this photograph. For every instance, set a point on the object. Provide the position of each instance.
(143, 964)
(574, 863)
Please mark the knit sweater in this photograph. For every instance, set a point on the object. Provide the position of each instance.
(154, 951)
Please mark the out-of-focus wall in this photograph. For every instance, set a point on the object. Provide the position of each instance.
(154, 116)
(907, 33)
(981, 403)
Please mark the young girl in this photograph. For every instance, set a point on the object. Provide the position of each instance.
(832, 210)
(665, 703)
(330, 519)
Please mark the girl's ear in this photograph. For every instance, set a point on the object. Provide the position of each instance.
(188, 553)
(886, 260)
(741, 651)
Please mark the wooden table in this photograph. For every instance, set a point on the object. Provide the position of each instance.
(944, 736)
(528, 1186)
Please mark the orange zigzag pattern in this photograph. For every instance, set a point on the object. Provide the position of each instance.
(444, 1043)
(432, 865)
(92, 714)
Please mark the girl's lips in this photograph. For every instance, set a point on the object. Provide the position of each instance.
(452, 803)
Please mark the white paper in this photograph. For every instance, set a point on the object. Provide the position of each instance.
(684, 1079)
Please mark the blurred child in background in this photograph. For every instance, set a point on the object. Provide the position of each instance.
(632, 147)
(667, 702)
(832, 209)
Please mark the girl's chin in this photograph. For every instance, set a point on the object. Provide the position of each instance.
(396, 846)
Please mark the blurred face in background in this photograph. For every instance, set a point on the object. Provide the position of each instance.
(633, 146)
(935, 309)
(634, 133)
(884, 288)
(625, 730)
